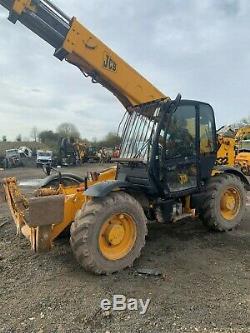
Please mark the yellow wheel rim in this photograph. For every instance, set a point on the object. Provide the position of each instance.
(117, 236)
(230, 203)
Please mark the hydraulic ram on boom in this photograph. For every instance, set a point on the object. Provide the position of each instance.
(77, 45)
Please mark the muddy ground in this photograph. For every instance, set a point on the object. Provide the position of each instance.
(204, 286)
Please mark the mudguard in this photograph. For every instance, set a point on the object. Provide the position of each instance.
(234, 171)
(68, 176)
(104, 188)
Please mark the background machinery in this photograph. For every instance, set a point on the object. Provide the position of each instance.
(242, 158)
(225, 146)
(234, 147)
(69, 152)
(44, 157)
(12, 158)
(73, 152)
(165, 171)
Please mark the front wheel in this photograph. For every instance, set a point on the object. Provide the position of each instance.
(225, 203)
(109, 234)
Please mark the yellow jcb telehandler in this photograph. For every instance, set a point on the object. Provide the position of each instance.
(165, 172)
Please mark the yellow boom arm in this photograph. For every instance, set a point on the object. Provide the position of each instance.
(77, 45)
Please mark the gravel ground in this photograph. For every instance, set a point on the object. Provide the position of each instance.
(204, 284)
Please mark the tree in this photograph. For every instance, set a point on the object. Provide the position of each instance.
(34, 133)
(111, 140)
(48, 137)
(4, 138)
(68, 130)
(19, 138)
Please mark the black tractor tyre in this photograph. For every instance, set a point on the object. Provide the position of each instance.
(86, 230)
(211, 211)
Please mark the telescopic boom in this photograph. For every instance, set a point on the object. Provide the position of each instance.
(77, 45)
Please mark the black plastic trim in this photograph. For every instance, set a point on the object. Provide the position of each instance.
(69, 176)
(104, 188)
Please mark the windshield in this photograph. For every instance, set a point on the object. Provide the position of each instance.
(44, 154)
(138, 131)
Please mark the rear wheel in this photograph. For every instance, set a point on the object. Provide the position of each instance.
(225, 203)
(109, 234)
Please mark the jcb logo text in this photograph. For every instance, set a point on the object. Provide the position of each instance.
(109, 63)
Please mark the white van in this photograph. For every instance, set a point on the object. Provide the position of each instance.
(43, 157)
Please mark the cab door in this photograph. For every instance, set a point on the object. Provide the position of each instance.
(207, 139)
(178, 150)
(187, 147)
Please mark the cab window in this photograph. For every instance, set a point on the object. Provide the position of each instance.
(207, 130)
(179, 138)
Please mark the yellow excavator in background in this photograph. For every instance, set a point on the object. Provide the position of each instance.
(242, 140)
(166, 170)
(81, 150)
(226, 146)
(234, 147)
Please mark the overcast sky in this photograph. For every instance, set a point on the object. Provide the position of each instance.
(198, 48)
